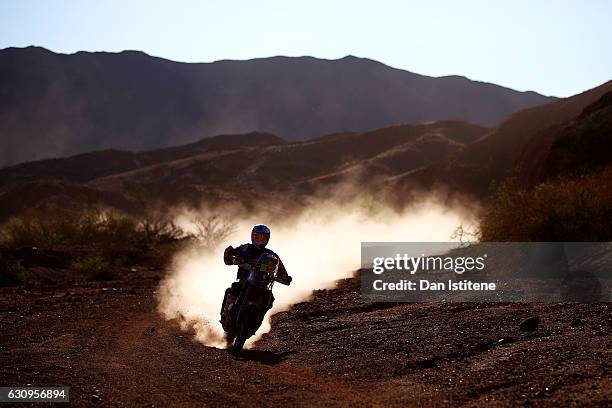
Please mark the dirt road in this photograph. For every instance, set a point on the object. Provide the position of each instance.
(106, 341)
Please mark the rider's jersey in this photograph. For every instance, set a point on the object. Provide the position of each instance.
(251, 254)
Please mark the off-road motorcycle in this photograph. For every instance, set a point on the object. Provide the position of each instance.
(243, 315)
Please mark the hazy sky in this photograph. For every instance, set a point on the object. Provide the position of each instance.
(555, 47)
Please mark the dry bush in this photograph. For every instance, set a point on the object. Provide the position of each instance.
(212, 230)
(95, 267)
(158, 228)
(41, 228)
(112, 235)
(11, 270)
(53, 227)
(106, 239)
(574, 209)
(465, 235)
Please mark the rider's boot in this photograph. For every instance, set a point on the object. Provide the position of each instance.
(225, 304)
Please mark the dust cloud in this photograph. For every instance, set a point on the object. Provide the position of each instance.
(318, 246)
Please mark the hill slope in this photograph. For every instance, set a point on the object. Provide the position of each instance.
(57, 105)
(577, 147)
(495, 155)
(233, 167)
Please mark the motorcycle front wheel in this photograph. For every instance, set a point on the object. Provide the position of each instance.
(229, 339)
(239, 343)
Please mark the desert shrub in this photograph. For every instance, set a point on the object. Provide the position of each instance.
(158, 228)
(574, 209)
(212, 230)
(465, 235)
(42, 228)
(11, 270)
(52, 227)
(151, 237)
(95, 267)
(160, 253)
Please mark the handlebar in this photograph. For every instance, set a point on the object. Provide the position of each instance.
(241, 262)
(284, 281)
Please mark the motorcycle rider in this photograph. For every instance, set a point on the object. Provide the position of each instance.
(246, 257)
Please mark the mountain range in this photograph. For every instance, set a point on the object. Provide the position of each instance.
(55, 105)
(391, 162)
(248, 168)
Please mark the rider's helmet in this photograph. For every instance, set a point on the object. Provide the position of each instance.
(260, 235)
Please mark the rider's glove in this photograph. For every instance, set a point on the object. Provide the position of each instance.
(227, 255)
(284, 279)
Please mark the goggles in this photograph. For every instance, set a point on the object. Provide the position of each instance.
(260, 238)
